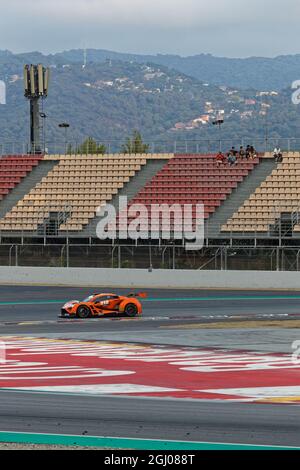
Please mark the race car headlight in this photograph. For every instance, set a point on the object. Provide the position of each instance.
(70, 304)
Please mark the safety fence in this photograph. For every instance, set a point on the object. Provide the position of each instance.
(201, 146)
(151, 257)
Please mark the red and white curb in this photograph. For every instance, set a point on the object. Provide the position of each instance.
(101, 368)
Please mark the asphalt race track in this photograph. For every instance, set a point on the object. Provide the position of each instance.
(20, 303)
(158, 419)
(189, 318)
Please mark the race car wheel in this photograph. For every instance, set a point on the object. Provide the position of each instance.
(131, 310)
(83, 312)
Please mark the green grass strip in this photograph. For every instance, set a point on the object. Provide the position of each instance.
(173, 299)
(125, 443)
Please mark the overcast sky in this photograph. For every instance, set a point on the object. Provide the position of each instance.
(233, 28)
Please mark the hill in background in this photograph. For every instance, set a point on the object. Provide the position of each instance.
(110, 97)
(258, 73)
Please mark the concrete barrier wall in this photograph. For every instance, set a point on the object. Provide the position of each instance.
(134, 278)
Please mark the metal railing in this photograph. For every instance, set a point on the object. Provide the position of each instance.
(201, 146)
(50, 230)
(152, 257)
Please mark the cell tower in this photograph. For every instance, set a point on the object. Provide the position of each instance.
(36, 83)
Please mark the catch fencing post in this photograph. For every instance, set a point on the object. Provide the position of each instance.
(174, 254)
(119, 256)
(150, 259)
(68, 254)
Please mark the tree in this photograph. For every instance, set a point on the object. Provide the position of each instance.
(135, 144)
(89, 146)
(70, 150)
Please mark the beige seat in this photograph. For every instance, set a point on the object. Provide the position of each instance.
(76, 185)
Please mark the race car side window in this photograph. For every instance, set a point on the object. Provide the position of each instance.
(106, 297)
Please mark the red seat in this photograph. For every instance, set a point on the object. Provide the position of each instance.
(194, 179)
(13, 168)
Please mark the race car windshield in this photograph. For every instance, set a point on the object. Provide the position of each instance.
(90, 297)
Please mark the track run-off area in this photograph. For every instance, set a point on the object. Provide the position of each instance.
(199, 366)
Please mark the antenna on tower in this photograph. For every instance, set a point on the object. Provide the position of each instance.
(36, 85)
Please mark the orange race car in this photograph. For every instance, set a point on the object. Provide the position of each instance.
(104, 304)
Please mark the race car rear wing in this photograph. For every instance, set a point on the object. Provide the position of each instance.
(141, 295)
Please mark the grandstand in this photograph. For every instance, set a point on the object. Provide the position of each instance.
(273, 208)
(193, 179)
(58, 195)
(66, 199)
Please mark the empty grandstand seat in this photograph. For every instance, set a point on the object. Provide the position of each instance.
(277, 194)
(75, 188)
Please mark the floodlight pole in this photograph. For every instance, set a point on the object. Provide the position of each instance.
(220, 140)
(44, 117)
(219, 123)
(266, 134)
(65, 126)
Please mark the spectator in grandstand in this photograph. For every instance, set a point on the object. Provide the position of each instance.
(233, 151)
(220, 158)
(242, 153)
(278, 155)
(232, 160)
(253, 152)
(276, 152)
(248, 152)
